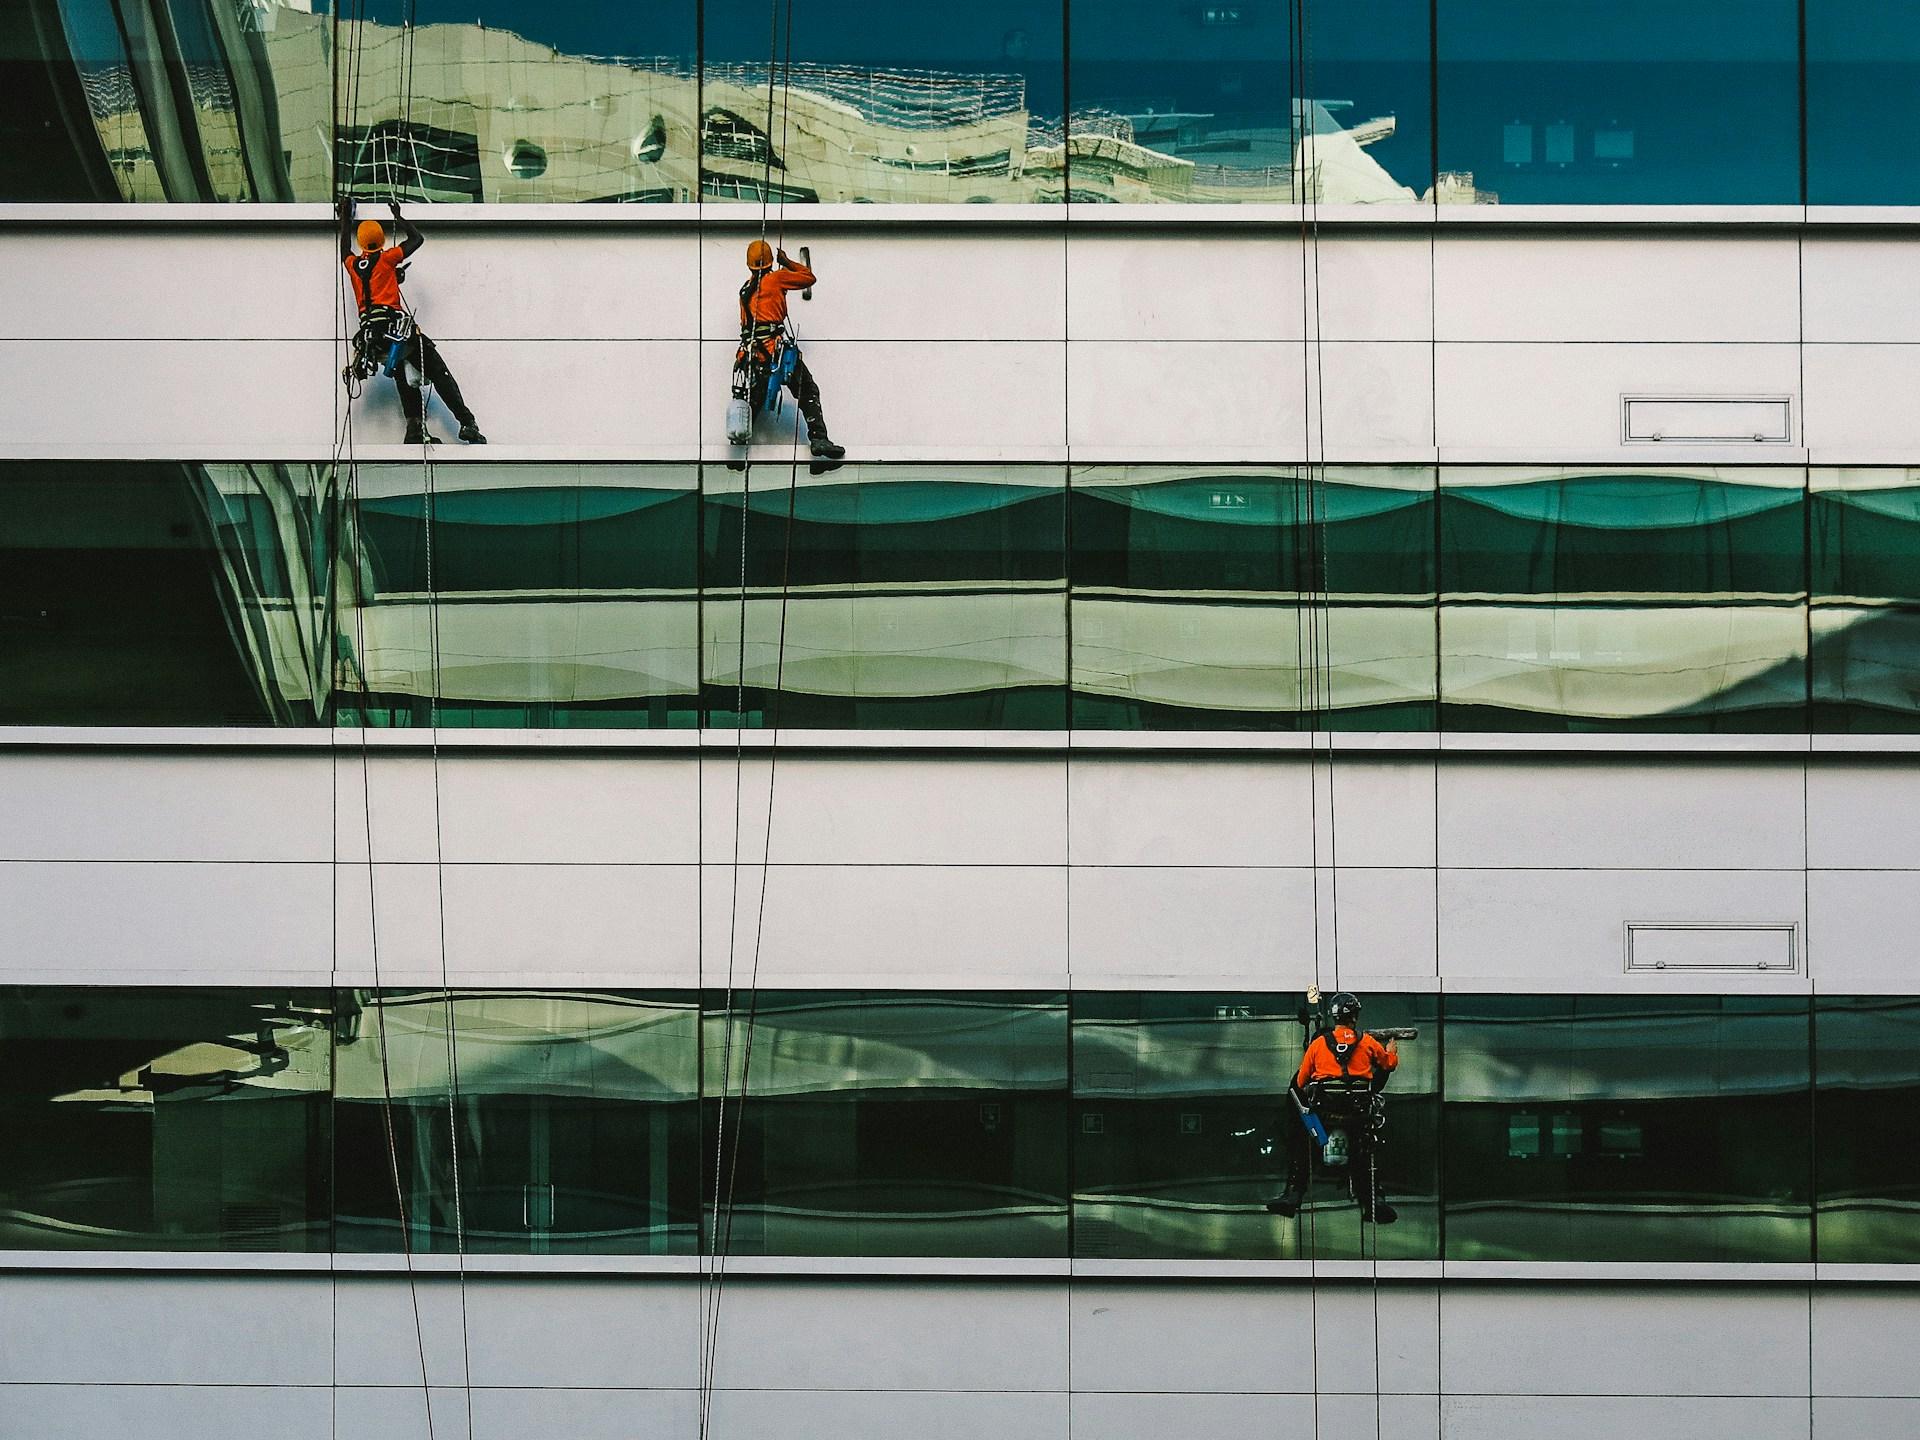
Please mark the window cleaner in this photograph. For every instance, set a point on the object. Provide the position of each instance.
(769, 360)
(1336, 1096)
(389, 341)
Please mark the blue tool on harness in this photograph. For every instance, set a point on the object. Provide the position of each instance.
(399, 336)
(785, 356)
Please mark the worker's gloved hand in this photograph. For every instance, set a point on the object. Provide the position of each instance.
(343, 208)
(394, 206)
(781, 256)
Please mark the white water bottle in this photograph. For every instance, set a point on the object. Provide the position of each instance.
(739, 421)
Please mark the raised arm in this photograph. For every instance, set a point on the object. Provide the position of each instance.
(345, 212)
(413, 238)
(793, 275)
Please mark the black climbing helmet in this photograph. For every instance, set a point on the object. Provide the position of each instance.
(1345, 1007)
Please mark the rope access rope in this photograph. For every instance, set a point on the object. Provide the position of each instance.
(344, 450)
(727, 1161)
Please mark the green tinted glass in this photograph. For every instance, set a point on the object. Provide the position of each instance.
(888, 1123)
(164, 1119)
(1627, 1128)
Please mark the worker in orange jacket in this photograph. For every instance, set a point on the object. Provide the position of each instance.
(767, 350)
(1342, 1050)
(375, 273)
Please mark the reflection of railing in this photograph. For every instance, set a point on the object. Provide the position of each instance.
(900, 99)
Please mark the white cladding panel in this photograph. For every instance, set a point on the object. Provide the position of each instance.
(941, 868)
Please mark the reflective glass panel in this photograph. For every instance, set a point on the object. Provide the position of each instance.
(574, 1116)
(888, 1123)
(183, 100)
(1612, 102)
(1867, 1128)
(1252, 102)
(1865, 529)
(1863, 102)
(1180, 1119)
(561, 595)
(1627, 1128)
(151, 594)
(163, 1119)
(520, 101)
(878, 596)
(1188, 609)
(1625, 600)
(926, 104)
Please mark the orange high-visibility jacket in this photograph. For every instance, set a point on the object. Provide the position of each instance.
(766, 302)
(1367, 1057)
(375, 278)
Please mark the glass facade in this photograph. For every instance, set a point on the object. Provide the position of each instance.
(887, 1123)
(1867, 1124)
(1863, 102)
(1583, 102)
(1102, 1125)
(1865, 532)
(1141, 597)
(1188, 609)
(1609, 102)
(137, 1119)
(560, 595)
(900, 595)
(1600, 599)
(1621, 1128)
(573, 1119)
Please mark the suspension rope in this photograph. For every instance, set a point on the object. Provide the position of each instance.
(344, 459)
(430, 500)
(727, 1160)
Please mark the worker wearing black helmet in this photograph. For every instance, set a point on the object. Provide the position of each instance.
(1341, 1051)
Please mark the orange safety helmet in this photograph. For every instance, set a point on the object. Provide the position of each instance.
(759, 256)
(370, 235)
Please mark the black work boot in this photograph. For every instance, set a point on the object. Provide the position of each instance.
(470, 434)
(1382, 1213)
(1286, 1203)
(826, 455)
(417, 435)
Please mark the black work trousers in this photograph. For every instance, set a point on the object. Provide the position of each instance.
(424, 355)
(1362, 1158)
(800, 384)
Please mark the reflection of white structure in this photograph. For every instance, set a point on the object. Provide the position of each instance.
(471, 113)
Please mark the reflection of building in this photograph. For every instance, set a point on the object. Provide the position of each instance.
(474, 113)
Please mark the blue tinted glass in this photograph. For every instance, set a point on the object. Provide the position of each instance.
(908, 103)
(1863, 102)
(1237, 102)
(1609, 102)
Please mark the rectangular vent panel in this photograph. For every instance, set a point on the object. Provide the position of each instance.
(1702, 419)
(1722, 948)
